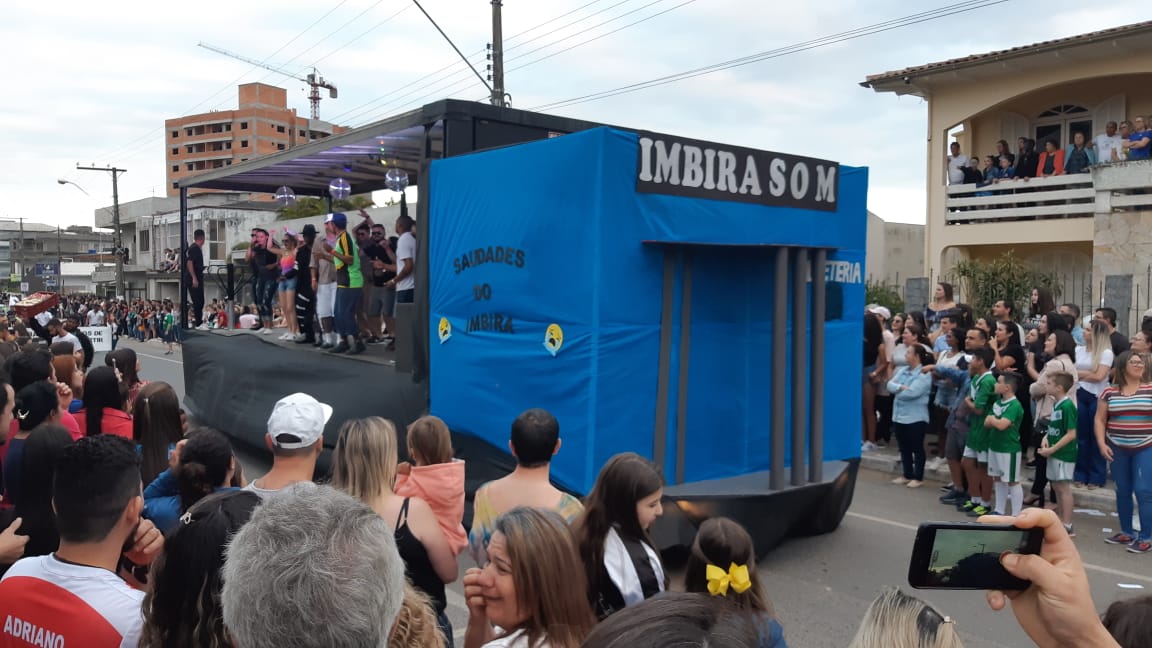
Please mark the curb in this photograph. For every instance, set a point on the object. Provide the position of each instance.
(885, 461)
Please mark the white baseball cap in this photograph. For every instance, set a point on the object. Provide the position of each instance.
(877, 309)
(298, 416)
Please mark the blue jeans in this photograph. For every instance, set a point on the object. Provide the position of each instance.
(265, 292)
(910, 437)
(347, 301)
(1091, 468)
(1132, 472)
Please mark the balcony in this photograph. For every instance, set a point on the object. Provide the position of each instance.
(1109, 188)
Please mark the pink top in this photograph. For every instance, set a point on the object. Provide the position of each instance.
(287, 262)
(442, 486)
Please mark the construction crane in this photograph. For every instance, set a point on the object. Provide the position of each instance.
(314, 80)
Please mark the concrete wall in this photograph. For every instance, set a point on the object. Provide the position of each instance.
(895, 250)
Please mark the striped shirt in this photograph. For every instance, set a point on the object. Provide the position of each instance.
(1129, 417)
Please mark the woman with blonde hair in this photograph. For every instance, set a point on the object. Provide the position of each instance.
(416, 626)
(531, 594)
(896, 620)
(1094, 362)
(364, 466)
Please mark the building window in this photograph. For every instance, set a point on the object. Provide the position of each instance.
(188, 132)
(227, 128)
(176, 151)
(175, 185)
(143, 240)
(216, 234)
(227, 162)
(189, 149)
(243, 143)
(175, 134)
(279, 129)
(279, 147)
(301, 133)
(175, 168)
(190, 167)
(243, 125)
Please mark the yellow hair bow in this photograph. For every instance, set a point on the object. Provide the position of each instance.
(719, 580)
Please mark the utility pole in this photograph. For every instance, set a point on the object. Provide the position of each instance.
(497, 55)
(59, 263)
(116, 242)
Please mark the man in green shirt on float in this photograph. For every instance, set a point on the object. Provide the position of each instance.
(1004, 461)
(349, 284)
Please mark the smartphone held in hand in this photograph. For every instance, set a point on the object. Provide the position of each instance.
(950, 555)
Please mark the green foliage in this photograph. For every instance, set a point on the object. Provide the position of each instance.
(983, 283)
(242, 245)
(306, 206)
(878, 292)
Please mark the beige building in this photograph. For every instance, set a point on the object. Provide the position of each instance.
(1090, 225)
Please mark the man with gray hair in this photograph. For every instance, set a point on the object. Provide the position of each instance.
(313, 568)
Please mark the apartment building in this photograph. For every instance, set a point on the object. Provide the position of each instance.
(261, 124)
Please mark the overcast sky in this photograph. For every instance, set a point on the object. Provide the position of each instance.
(92, 82)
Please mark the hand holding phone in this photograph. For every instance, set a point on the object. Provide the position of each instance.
(951, 555)
(1058, 608)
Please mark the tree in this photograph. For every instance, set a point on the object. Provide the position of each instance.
(983, 283)
(306, 206)
(878, 292)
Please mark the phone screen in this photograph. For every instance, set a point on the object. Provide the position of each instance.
(967, 556)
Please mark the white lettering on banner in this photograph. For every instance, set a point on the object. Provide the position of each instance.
(101, 337)
(845, 272)
(681, 167)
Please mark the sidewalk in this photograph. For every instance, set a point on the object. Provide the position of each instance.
(887, 460)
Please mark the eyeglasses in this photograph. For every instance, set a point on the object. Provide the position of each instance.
(377, 234)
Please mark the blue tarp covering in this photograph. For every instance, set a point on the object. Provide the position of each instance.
(553, 233)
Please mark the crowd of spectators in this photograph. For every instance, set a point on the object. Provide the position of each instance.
(982, 392)
(125, 526)
(1128, 140)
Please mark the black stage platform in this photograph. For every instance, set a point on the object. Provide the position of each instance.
(769, 515)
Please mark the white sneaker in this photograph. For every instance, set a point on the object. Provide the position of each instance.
(933, 463)
(900, 481)
(286, 336)
(202, 327)
(915, 483)
(265, 331)
(867, 446)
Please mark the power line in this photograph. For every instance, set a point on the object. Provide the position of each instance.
(376, 105)
(322, 40)
(123, 149)
(456, 85)
(594, 38)
(889, 25)
(362, 35)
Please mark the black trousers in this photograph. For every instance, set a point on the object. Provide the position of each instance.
(306, 313)
(196, 294)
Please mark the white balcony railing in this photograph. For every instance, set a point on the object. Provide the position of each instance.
(1063, 196)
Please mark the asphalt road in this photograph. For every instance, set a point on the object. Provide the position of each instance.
(822, 586)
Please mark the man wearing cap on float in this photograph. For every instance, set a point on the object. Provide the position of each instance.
(349, 284)
(296, 438)
(305, 289)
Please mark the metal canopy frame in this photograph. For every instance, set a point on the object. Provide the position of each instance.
(407, 140)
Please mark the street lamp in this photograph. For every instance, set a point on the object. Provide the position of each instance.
(64, 182)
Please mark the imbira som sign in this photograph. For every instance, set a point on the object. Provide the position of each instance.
(683, 167)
